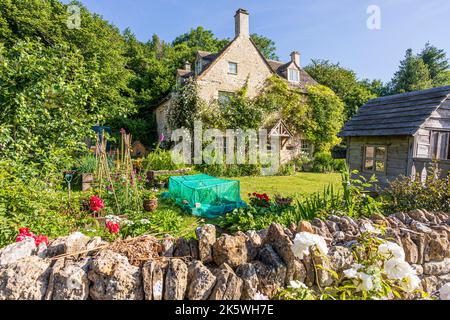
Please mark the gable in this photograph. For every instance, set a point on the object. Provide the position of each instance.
(251, 67)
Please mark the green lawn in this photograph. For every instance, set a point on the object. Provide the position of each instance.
(299, 184)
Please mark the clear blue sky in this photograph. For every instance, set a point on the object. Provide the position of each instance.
(325, 29)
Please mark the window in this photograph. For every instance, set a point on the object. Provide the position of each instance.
(375, 158)
(293, 75)
(198, 66)
(304, 146)
(224, 97)
(232, 68)
(440, 145)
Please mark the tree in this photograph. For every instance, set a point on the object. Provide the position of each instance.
(413, 74)
(343, 82)
(201, 39)
(265, 45)
(437, 63)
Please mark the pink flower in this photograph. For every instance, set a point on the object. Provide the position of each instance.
(161, 137)
(96, 203)
(25, 233)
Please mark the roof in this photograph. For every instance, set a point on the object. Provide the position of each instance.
(280, 67)
(400, 114)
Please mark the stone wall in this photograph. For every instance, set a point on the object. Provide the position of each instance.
(228, 267)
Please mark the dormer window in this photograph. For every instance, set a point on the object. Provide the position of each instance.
(293, 75)
(198, 66)
(232, 68)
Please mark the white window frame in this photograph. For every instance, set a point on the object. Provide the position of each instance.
(290, 75)
(439, 145)
(230, 63)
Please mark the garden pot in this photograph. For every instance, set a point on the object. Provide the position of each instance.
(150, 205)
(86, 180)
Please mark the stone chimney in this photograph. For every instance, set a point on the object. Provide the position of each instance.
(187, 66)
(241, 23)
(295, 57)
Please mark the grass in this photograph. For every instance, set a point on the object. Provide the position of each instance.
(301, 183)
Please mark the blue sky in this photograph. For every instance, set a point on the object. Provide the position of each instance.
(325, 29)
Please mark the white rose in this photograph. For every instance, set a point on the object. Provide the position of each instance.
(397, 269)
(410, 282)
(391, 249)
(444, 292)
(366, 283)
(297, 285)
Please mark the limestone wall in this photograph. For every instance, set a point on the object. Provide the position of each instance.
(240, 266)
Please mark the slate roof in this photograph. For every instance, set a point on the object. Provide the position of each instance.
(400, 114)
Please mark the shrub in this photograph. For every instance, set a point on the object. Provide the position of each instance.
(405, 194)
(324, 162)
(160, 159)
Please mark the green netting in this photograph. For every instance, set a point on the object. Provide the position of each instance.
(204, 195)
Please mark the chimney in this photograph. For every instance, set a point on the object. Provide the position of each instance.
(241, 23)
(295, 57)
(187, 66)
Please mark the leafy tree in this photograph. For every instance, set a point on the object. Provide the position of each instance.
(45, 106)
(343, 82)
(413, 74)
(201, 39)
(265, 45)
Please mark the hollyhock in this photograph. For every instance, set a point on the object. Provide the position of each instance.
(113, 227)
(96, 204)
(391, 249)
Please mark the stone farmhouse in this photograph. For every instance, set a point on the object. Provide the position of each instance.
(220, 74)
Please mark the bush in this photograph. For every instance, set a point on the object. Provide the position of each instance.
(160, 159)
(233, 170)
(323, 162)
(405, 194)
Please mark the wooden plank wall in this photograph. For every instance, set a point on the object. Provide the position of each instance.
(398, 148)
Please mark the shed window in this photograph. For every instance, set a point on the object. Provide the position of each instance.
(375, 158)
(293, 75)
(440, 145)
(232, 68)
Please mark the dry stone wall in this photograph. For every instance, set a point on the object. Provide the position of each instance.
(228, 267)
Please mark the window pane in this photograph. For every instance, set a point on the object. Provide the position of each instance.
(379, 166)
(368, 165)
(380, 152)
(232, 67)
(293, 75)
(370, 152)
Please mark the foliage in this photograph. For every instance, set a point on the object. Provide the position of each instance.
(230, 170)
(412, 75)
(437, 63)
(404, 194)
(326, 117)
(343, 82)
(160, 159)
(324, 162)
(30, 202)
(265, 45)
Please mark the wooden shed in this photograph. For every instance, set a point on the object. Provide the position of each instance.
(402, 134)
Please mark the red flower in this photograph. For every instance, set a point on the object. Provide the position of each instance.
(96, 203)
(113, 227)
(25, 233)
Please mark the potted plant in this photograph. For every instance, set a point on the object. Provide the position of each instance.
(86, 169)
(150, 201)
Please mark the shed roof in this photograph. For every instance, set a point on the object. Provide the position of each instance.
(400, 114)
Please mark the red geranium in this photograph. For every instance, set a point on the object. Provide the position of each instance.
(26, 233)
(96, 203)
(113, 227)
(259, 199)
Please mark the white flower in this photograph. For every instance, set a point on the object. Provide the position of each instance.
(367, 227)
(391, 249)
(198, 205)
(297, 285)
(112, 218)
(398, 269)
(260, 296)
(366, 283)
(144, 221)
(127, 222)
(410, 282)
(304, 240)
(352, 273)
(444, 292)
